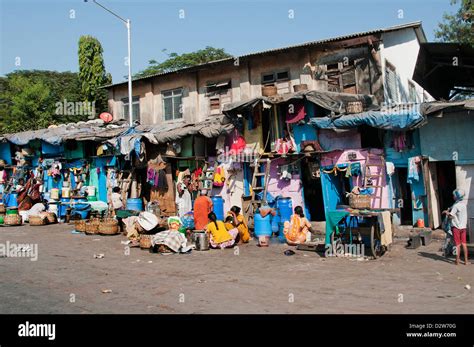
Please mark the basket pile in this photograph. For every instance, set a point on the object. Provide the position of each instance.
(92, 226)
(108, 226)
(145, 241)
(13, 219)
(80, 225)
(37, 220)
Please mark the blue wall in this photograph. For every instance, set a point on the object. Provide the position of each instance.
(400, 159)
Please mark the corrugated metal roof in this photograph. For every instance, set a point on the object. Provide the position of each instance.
(416, 24)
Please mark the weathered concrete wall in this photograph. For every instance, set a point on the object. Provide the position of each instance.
(401, 48)
(449, 138)
(464, 175)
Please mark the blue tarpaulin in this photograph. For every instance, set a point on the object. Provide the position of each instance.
(389, 120)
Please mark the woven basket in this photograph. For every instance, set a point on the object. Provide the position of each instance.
(37, 220)
(360, 202)
(269, 90)
(92, 227)
(145, 241)
(80, 225)
(108, 226)
(13, 219)
(300, 87)
(354, 107)
(51, 217)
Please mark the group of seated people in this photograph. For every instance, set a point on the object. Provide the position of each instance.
(222, 233)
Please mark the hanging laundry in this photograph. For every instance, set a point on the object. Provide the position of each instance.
(413, 169)
(296, 112)
(399, 141)
(390, 168)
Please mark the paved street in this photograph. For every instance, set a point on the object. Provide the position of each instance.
(67, 278)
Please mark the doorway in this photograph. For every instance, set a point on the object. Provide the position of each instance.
(446, 175)
(313, 191)
(403, 196)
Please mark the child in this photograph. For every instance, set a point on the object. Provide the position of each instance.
(117, 203)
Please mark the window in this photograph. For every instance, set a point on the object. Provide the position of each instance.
(341, 78)
(172, 101)
(219, 94)
(271, 78)
(391, 83)
(135, 108)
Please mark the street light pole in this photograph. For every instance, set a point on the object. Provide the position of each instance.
(127, 23)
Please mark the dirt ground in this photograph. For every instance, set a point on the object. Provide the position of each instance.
(67, 278)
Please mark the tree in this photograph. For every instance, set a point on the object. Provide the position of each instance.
(177, 61)
(26, 105)
(62, 87)
(92, 74)
(458, 27)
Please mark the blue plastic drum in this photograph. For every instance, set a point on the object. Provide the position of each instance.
(262, 225)
(218, 207)
(285, 209)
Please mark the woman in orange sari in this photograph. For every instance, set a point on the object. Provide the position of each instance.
(297, 229)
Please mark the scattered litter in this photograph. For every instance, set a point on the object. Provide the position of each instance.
(459, 278)
(95, 239)
(467, 286)
(99, 256)
(125, 242)
(106, 291)
(289, 252)
(150, 261)
(201, 281)
(74, 232)
(137, 261)
(305, 255)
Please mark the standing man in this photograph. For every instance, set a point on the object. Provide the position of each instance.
(202, 207)
(183, 196)
(458, 216)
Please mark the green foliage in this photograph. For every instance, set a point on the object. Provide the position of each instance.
(28, 99)
(177, 61)
(458, 27)
(26, 104)
(92, 74)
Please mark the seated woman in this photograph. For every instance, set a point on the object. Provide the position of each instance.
(238, 221)
(219, 236)
(297, 229)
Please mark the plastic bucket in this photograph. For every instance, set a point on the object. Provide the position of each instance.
(218, 207)
(262, 225)
(135, 204)
(64, 206)
(54, 194)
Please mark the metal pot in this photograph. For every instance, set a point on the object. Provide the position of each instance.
(201, 239)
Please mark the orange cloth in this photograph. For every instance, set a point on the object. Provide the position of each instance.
(295, 231)
(202, 207)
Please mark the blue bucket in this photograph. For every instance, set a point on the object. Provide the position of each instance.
(135, 204)
(64, 206)
(285, 209)
(218, 207)
(262, 225)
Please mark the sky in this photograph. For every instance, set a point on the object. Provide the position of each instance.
(44, 34)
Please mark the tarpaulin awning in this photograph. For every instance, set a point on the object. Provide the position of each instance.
(332, 101)
(156, 134)
(389, 120)
(437, 107)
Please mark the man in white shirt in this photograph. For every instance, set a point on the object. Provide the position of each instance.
(458, 216)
